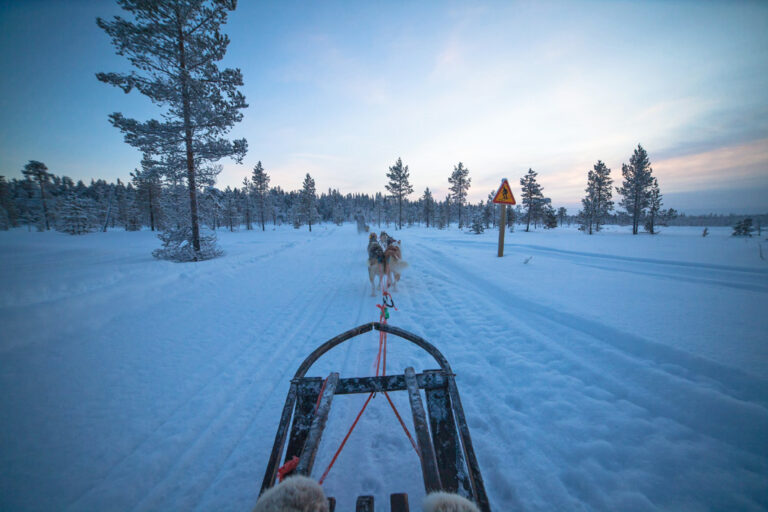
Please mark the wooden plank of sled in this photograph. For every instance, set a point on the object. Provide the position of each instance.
(309, 389)
(364, 504)
(307, 458)
(428, 462)
(475, 477)
(450, 460)
(398, 502)
(388, 383)
(277, 448)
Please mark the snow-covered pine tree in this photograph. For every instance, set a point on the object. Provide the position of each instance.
(148, 189)
(654, 207)
(460, 182)
(246, 199)
(743, 228)
(477, 226)
(429, 206)
(230, 209)
(636, 185)
(337, 209)
(562, 214)
(399, 187)
(532, 196)
(174, 47)
(37, 171)
(297, 217)
(586, 214)
(260, 191)
(74, 217)
(8, 213)
(308, 201)
(548, 215)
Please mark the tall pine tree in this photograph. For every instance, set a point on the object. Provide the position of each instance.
(429, 205)
(597, 203)
(37, 171)
(399, 187)
(635, 188)
(460, 182)
(261, 191)
(308, 200)
(174, 47)
(654, 207)
(532, 196)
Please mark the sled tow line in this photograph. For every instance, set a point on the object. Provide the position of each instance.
(381, 362)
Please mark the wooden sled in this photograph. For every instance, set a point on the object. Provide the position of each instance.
(448, 461)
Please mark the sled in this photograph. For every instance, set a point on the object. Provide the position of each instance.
(448, 461)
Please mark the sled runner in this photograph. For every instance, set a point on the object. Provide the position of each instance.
(448, 461)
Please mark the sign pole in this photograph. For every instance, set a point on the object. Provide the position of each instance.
(502, 225)
(503, 197)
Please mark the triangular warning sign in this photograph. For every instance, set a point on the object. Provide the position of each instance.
(504, 194)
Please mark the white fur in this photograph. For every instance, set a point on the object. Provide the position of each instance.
(445, 502)
(294, 494)
(395, 264)
(375, 269)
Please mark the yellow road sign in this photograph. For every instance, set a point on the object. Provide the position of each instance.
(504, 194)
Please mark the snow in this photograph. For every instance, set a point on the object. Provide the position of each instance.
(611, 372)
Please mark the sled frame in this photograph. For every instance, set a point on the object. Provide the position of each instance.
(448, 459)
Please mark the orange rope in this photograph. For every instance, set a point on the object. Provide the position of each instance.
(336, 455)
(381, 362)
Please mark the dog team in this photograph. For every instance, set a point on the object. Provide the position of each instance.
(385, 259)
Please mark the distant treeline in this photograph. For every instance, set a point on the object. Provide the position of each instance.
(42, 200)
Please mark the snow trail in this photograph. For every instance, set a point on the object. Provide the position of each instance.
(594, 377)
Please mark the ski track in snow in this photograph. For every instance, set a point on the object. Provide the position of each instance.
(181, 385)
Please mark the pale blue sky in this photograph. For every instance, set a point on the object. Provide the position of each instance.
(341, 89)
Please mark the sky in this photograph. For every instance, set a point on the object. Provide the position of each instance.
(340, 90)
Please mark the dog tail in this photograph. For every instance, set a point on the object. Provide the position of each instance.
(397, 266)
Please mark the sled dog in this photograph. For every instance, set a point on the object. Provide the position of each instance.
(394, 263)
(375, 262)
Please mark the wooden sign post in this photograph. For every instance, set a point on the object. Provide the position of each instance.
(503, 197)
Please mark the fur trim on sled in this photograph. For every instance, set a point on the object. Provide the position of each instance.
(445, 502)
(294, 494)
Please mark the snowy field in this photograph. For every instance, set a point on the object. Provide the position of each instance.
(609, 372)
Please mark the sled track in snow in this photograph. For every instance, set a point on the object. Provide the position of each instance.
(663, 381)
(193, 432)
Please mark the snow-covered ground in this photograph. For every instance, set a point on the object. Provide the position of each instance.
(609, 372)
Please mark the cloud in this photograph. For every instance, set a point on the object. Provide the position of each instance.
(727, 167)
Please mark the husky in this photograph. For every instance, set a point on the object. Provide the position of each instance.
(393, 262)
(376, 262)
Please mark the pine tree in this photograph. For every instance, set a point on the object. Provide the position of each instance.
(548, 216)
(654, 207)
(429, 206)
(37, 171)
(246, 199)
(532, 196)
(174, 47)
(636, 186)
(597, 203)
(743, 228)
(337, 210)
(477, 224)
(399, 187)
(308, 200)
(460, 182)
(261, 191)
(562, 213)
(148, 188)
(8, 212)
(74, 217)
